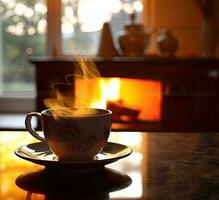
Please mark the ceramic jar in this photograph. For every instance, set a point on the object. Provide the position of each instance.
(167, 43)
(133, 40)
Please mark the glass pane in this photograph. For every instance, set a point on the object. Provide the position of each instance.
(82, 21)
(22, 34)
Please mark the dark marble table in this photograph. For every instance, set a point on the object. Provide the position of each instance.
(164, 166)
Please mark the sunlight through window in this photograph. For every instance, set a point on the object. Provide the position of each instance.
(83, 20)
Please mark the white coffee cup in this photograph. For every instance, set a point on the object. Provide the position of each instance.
(74, 133)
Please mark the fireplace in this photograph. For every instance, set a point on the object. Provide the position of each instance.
(146, 94)
(129, 99)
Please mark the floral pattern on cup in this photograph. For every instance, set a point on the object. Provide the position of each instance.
(85, 145)
(69, 131)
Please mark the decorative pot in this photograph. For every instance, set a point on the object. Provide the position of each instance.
(167, 43)
(133, 40)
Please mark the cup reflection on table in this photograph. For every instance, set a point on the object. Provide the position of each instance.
(65, 185)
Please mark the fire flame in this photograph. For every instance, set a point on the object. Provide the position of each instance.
(110, 91)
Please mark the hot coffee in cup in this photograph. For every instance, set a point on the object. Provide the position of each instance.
(74, 133)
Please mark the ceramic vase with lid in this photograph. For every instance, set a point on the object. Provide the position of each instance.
(133, 40)
(167, 43)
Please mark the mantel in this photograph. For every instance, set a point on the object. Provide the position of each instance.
(157, 68)
(127, 59)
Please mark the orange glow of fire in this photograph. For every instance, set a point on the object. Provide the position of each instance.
(143, 95)
(110, 91)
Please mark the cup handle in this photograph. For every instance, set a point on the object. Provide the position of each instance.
(29, 125)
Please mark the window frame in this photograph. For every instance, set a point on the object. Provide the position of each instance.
(54, 14)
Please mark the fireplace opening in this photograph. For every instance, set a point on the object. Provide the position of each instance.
(131, 100)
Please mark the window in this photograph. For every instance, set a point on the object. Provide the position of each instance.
(22, 34)
(48, 27)
(82, 22)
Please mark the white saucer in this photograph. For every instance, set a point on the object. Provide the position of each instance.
(40, 153)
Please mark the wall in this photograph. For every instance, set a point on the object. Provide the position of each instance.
(182, 17)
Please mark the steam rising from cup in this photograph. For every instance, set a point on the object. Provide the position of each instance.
(86, 78)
